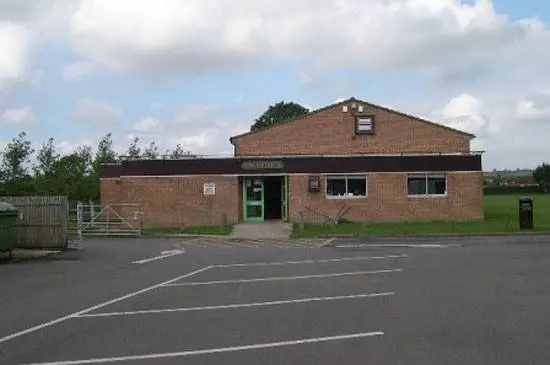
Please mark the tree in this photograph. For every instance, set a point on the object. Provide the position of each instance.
(498, 180)
(178, 152)
(278, 113)
(46, 159)
(105, 153)
(541, 175)
(16, 156)
(152, 151)
(134, 151)
(74, 175)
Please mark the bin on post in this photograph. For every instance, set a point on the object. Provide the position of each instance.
(8, 217)
(526, 213)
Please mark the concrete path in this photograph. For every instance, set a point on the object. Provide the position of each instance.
(255, 231)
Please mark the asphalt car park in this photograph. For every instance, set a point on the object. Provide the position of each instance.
(348, 301)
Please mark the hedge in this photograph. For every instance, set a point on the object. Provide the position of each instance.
(498, 190)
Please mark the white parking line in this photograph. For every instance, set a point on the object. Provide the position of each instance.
(232, 306)
(342, 259)
(281, 278)
(163, 255)
(327, 242)
(215, 351)
(104, 304)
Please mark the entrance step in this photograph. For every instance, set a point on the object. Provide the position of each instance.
(262, 230)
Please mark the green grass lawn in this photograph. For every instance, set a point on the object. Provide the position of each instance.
(210, 231)
(501, 216)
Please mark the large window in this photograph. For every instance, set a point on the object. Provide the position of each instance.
(426, 185)
(347, 186)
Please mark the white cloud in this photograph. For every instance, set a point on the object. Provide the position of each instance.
(92, 111)
(147, 124)
(15, 43)
(466, 112)
(471, 51)
(508, 142)
(196, 115)
(67, 147)
(19, 116)
(200, 128)
(172, 35)
(77, 71)
(530, 109)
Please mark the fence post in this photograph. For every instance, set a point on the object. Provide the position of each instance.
(301, 223)
(224, 220)
(91, 206)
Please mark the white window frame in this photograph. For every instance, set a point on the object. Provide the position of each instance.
(426, 176)
(357, 176)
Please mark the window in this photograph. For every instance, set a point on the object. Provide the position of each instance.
(350, 186)
(364, 125)
(426, 185)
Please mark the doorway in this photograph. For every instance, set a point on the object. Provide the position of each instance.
(273, 197)
(265, 198)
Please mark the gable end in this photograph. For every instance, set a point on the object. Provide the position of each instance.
(233, 139)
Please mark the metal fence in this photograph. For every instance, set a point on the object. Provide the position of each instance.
(43, 221)
(105, 220)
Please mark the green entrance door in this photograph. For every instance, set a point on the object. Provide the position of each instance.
(253, 199)
(284, 198)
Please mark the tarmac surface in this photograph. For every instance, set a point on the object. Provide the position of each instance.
(206, 301)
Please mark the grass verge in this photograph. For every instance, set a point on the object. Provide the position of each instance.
(501, 216)
(208, 231)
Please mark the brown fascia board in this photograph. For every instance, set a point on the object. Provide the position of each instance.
(352, 99)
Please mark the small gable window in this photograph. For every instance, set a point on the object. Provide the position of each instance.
(364, 125)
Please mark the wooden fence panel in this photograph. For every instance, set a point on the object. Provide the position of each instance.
(43, 221)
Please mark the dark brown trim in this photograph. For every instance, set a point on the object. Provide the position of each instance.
(110, 171)
(350, 100)
(289, 165)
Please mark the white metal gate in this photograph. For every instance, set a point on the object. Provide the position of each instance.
(108, 220)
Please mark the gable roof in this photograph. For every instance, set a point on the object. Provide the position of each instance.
(353, 99)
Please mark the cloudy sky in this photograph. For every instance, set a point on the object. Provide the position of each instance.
(198, 71)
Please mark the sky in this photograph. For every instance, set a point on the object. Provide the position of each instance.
(196, 72)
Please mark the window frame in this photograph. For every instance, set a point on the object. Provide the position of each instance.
(427, 175)
(353, 176)
(357, 121)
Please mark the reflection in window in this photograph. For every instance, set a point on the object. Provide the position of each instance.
(351, 186)
(426, 184)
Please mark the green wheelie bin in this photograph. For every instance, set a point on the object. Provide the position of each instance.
(8, 217)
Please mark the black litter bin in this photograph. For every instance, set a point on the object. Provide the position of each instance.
(526, 213)
(8, 217)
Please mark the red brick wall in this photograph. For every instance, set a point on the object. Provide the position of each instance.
(109, 191)
(177, 201)
(333, 132)
(388, 201)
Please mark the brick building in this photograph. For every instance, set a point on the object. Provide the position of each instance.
(383, 165)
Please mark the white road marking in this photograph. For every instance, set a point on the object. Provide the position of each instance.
(171, 251)
(163, 255)
(216, 350)
(243, 305)
(360, 258)
(410, 245)
(283, 278)
(327, 242)
(104, 304)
